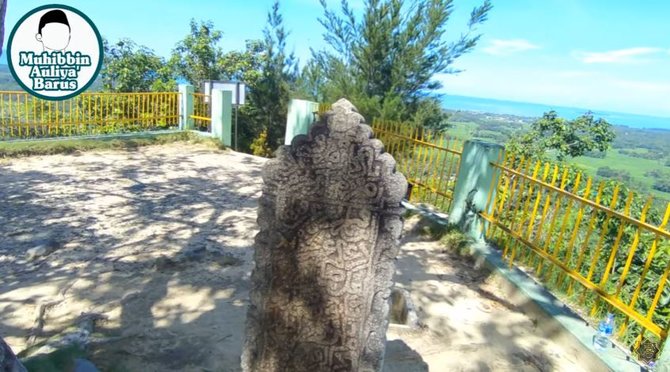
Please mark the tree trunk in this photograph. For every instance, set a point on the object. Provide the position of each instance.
(3, 8)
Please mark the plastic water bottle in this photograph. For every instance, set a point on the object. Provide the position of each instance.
(605, 329)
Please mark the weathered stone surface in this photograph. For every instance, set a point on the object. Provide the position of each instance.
(330, 220)
(403, 310)
(8, 360)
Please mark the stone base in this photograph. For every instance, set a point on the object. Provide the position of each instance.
(403, 312)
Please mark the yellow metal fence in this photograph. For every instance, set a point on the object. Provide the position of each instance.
(429, 160)
(323, 108)
(23, 116)
(597, 245)
(202, 114)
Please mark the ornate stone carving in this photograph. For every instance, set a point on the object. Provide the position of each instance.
(330, 220)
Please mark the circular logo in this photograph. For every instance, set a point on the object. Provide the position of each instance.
(54, 52)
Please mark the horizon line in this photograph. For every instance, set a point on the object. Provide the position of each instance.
(595, 111)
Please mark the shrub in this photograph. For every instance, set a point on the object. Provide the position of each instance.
(259, 146)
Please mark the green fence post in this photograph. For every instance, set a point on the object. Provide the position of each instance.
(663, 361)
(473, 186)
(222, 114)
(300, 118)
(185, 106)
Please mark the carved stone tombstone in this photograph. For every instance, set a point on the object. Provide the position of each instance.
(330, 220)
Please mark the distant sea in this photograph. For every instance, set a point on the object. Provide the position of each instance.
(495, 106)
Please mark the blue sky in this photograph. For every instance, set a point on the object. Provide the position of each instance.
(602, 55)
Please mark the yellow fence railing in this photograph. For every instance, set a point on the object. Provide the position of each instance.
(23, 116)
(599, 246)
(202, 114)
(323, 108)
(429, 161)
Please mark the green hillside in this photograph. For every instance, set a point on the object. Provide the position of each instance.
(638, 157)
(7, 82)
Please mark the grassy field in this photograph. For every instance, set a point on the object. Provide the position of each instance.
(462, 131)
(637, 167)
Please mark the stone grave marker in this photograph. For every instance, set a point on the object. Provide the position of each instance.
(330, 222)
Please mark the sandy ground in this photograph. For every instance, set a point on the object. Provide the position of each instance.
(468, 325)
(158, 242)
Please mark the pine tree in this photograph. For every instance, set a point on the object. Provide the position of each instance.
(387, 61)
(269, 98)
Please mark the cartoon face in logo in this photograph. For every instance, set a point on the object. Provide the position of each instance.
(54, 30)
(54, 52)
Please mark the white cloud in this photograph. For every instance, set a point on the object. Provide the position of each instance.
(651, 87)
(570, 74)
(500, 47)
(629, 55)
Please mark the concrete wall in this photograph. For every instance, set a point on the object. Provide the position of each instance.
(300, 118)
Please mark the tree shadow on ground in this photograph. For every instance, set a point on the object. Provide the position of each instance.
(464, 311)
(157, 242)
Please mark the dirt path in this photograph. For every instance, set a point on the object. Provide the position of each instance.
(109, 217)
(158, 242)
(468, 323)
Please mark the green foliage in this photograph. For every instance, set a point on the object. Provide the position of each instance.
(431, 228)
(657, 173)
(429, 114)
(270, 93)
(27, 117)
(7, 81)
(618, 174)
(456, 241)
(662, 184)
(569, 138)
(651, 140)
(635, 166)
(244, 65)
(595, 154)
(590, 241)
(626, 234)
(386, 62)
(196, 57)
(248, 66)
(166, 81)
(558, 219)
(132, 68)
(309, 84)
(651, 155)
(259, 146)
